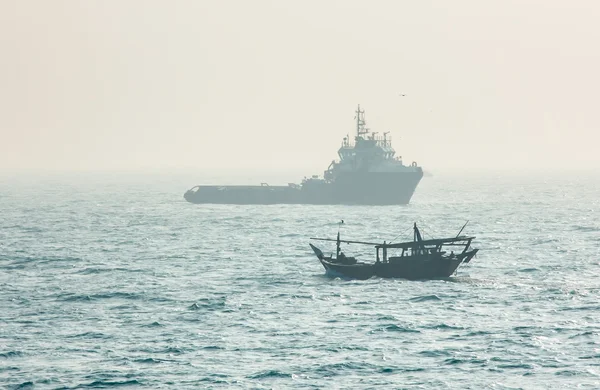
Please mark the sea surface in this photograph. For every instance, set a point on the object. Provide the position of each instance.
(115, 281)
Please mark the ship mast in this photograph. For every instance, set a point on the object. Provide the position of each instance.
(360, 122)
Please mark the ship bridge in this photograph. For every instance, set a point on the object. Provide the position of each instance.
(366, 142)
(368, 151)
(374, 144)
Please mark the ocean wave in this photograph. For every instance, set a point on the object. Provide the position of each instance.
(149, 361)
(586, 229)
(334, 369)
(70, 297)
(212, 347)
(478, 333)
(270, 374)
(22, 386)
(208, 304)
(290, 235)
(90, 335)
(395, 328)
(529, 270)
(341, 348)
(107, 383)
(435, 353)
(425, 298)
(443, 326)
(10, 354)
(516, 366)
(95, 270)
(568, 373)
(580, 308)
(154, 324)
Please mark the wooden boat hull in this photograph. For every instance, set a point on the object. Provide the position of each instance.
(411, 268)
(422, 267)
(360, 271)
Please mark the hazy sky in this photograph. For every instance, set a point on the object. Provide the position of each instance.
(273, 85)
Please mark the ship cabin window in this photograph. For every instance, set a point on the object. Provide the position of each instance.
(346, 153)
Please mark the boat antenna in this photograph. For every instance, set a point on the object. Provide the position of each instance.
(460, 231)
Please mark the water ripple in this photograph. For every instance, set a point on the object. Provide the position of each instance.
(123, 284)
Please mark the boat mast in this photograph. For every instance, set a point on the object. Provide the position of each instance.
(417, 238)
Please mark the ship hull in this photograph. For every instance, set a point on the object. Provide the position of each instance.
(368, 188)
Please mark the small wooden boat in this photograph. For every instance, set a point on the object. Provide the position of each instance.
(417, 259)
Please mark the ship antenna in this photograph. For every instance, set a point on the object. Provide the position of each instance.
(357, 117)
(360, 121)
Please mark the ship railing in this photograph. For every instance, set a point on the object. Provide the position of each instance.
(381, 141)
(348, 144)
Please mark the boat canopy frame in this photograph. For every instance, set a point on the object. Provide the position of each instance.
(417, 246)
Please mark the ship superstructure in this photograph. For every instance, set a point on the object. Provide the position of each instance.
(367, 153)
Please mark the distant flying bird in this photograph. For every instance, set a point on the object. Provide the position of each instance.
(402, 94)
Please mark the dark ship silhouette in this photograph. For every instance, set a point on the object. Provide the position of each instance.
(418, 259)
(368, 172)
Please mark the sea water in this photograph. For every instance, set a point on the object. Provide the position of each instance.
(111, 281)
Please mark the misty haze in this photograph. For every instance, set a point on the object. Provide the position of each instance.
(272, 86)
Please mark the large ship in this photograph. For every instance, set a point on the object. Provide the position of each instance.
(368, 172)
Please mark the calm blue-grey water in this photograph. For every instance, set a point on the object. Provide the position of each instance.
(117, 281)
